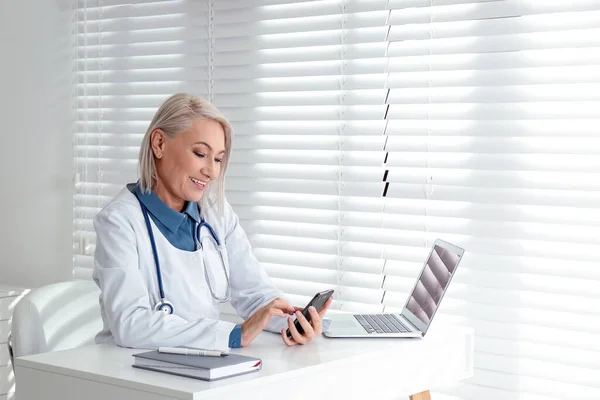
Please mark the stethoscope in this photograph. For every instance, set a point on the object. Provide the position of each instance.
(163, 304)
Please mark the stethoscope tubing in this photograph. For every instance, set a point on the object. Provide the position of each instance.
(199, 226)
(154, 252)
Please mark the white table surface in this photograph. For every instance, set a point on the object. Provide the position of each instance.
(326, 368)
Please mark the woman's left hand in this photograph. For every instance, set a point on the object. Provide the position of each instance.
(311, 329)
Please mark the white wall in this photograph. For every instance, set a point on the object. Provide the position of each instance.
(36, 142)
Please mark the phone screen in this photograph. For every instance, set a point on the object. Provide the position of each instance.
(317, 302)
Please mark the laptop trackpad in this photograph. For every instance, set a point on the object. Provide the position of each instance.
(345, 326)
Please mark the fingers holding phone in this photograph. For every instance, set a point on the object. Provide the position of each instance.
(308, 323)
(295, 336)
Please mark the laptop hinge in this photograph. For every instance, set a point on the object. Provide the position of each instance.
(409, 324)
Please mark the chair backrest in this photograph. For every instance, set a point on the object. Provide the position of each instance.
(56, 317)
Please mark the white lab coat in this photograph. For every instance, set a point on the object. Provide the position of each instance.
(126, 274)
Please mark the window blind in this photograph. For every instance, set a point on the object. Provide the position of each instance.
(365, 129)
(303, 84)
(131, 56)
(492, 143)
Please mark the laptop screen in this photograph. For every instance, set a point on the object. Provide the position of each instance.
(433, 282)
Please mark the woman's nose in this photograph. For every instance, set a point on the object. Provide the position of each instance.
(210, 170)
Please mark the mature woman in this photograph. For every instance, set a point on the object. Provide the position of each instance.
(170, 248)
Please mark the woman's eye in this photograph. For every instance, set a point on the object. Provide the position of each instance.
(200, 155)
(218, 160)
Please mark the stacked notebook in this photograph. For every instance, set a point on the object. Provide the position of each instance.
(199, 367)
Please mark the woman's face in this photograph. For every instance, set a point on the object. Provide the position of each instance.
(187, 163)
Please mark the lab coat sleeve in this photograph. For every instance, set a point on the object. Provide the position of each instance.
(126, 301)
(251, 287)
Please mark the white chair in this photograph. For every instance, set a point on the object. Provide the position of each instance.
(55, 317)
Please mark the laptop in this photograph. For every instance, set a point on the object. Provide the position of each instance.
(420, 308)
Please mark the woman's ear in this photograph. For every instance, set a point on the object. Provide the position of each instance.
(157, 141)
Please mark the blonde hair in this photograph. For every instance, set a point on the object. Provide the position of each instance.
(174, 116)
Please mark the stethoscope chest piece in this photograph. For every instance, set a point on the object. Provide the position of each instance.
(164, 306)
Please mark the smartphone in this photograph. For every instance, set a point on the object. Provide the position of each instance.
(317, 302)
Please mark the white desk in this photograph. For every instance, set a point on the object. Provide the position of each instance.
(325, 369)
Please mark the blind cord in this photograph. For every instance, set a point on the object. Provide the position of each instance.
(340, 175)
(100, 105)
(211, 49)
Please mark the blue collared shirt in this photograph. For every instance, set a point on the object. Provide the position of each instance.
(179, 229)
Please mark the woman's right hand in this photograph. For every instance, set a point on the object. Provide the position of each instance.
(258, 321)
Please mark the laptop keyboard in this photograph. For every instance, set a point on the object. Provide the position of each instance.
(381, 323)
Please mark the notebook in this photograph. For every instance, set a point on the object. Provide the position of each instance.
(199, 367)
